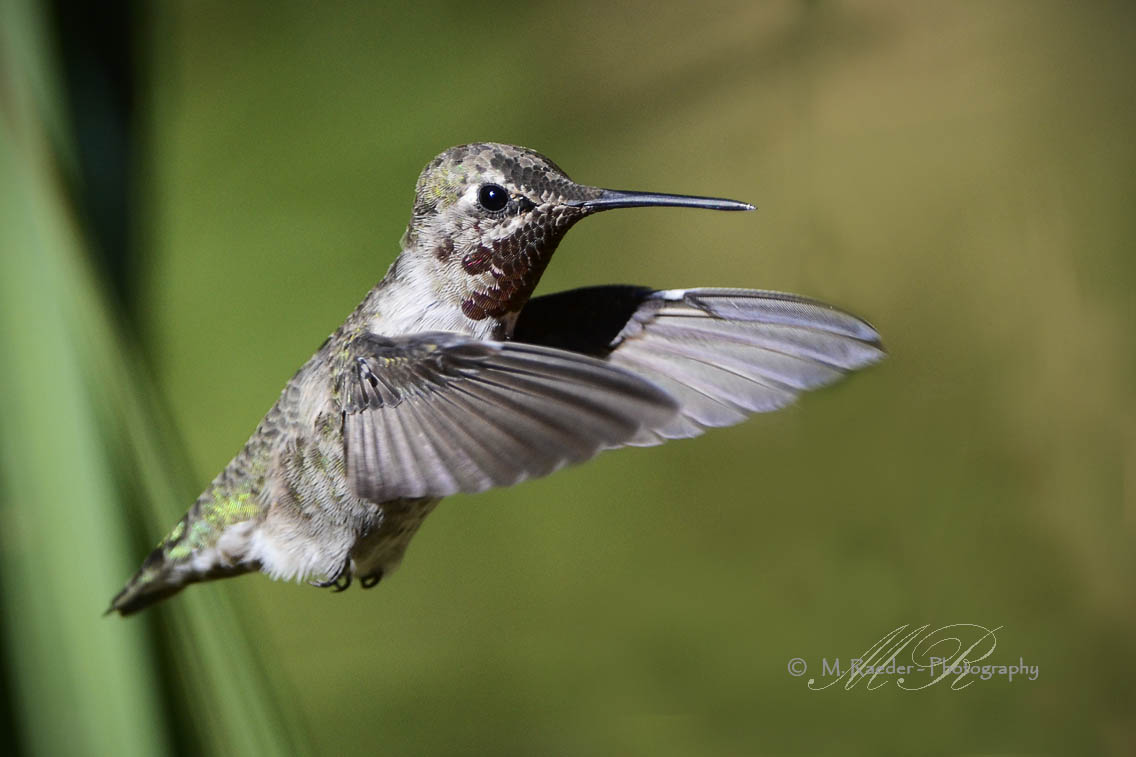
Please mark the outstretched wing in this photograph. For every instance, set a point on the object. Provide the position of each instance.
(722, 353)
(436, 414)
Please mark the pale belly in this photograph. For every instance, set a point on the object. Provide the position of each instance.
(379, 551)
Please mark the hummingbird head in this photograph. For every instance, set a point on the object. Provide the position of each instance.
(487, 218)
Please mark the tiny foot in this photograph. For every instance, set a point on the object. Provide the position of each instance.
(340, 580)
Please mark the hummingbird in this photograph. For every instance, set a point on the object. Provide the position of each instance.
(450, 377)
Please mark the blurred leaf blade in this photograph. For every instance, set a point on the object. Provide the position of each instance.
(75, 423)
(63, 528)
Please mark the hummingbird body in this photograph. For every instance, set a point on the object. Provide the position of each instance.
(446, 379)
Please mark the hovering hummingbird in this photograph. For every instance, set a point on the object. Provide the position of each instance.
(447, 378)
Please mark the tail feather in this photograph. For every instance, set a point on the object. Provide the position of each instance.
(159, 578)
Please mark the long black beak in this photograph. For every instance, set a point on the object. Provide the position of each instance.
(615, 198)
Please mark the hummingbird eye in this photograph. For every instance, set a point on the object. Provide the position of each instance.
(492, 197)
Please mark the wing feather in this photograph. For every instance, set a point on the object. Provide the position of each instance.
(721, 353)
(436, 414)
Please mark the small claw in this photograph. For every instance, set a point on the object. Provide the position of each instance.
(341, 580)
(369, 581)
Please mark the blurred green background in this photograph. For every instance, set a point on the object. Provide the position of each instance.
(960, 173)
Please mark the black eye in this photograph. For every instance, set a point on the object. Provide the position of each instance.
(492, 197)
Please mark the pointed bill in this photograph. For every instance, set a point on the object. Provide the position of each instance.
(618, 198)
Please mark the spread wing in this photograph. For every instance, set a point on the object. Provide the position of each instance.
(435, 414)
(721, 353)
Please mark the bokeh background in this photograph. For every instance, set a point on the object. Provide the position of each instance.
(194, 194)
